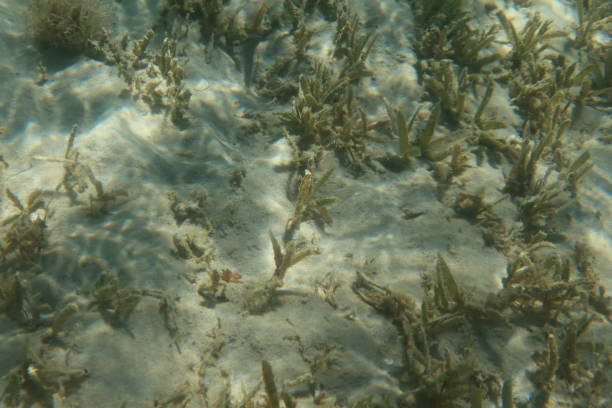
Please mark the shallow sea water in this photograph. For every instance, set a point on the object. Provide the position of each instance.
(133, 263)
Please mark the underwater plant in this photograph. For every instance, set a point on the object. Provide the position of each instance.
(538, 293)
(78, 177)
(352, 46)
(38, 381)
(308, 205)
(423, 145)
(593, 16)
(528, 43)
(327, 113)
(26, 235)
(445, 30)
(116, 303)
(71, 26)
(261, 297)
(192, 211)
(156, 78)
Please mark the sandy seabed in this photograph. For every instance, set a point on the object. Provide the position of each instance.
(228, 171)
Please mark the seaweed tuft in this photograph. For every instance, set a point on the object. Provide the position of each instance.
(71, 26)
